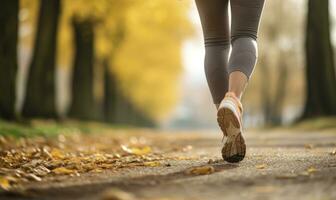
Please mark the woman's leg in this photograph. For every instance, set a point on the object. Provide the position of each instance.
(245, 23)
(215, 24)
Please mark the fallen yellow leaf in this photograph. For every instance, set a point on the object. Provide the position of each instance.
(63, 170)
(311, 170)
(117, 194)
(137, 151)
(152, 164)
(184, 158)
(201, 170)
(261, 166)
(57, 154)
(4, 183)
(97, 170)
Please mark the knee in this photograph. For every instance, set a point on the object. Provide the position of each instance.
(244, 55)
(245, 44)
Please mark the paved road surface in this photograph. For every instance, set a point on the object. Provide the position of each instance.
(278, 166)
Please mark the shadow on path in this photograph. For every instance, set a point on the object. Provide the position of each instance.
(79, 191)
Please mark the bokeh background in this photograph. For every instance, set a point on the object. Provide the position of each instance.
(140, 63)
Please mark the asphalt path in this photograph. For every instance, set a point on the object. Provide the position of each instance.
(278, 165)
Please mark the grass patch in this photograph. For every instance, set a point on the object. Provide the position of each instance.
(50, 128)
(323, 123)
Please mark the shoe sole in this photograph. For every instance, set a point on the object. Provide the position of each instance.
(234, 148)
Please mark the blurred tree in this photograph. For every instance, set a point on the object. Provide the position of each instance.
(117, 108)
(273, 99)
(147, 60)
(263, 65)
(40, 92)
(320, 68)
(110, 93)
(8, 56)
(127, 113)
(93, 42)
(110, 81)
(148, 64)
(83, 104)
(279, 46)
(280, 91)
(134, 73)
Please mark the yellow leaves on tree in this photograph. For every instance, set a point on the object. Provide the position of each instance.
(147, 60)
(27, 19)
(148, 64)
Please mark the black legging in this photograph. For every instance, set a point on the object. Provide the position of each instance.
(245, 17)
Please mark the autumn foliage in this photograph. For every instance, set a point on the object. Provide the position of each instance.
(138, 41)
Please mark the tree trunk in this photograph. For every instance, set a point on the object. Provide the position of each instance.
(280, 91)
(110, 82)
(8, 57)
(126, 113)
(265, 93)
(40, 92)
(320, 71)
(110, 94)
(83, 105)
(117, 108)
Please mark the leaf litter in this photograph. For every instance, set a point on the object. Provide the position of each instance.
(27, 160)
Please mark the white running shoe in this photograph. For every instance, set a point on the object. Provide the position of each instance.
(229, 118)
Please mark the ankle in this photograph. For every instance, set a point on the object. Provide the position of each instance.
(234, 95)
